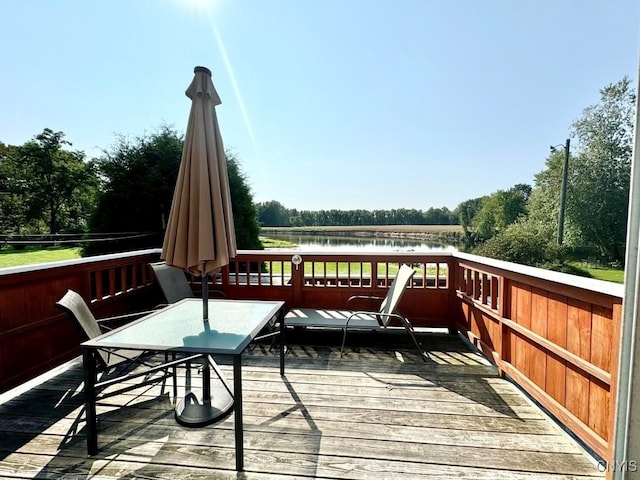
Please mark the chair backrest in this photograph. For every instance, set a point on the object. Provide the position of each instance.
(172, 281)
(75, 305)
(396, 290)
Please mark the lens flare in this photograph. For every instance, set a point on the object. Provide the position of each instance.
(197, 5)
(205, 10)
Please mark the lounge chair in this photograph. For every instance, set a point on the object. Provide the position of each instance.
(360, 320)
(174, 284)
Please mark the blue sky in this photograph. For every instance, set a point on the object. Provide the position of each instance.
(373, 104)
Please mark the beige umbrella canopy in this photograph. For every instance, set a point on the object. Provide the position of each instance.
(200, 236)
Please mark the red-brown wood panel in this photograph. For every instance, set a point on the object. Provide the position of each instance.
(13, 304)
(538, 323)
(556, 379)
(493, 329)
(485, 328)
(537, 356)
(579, 328)
(557, 333)
(521, 348)
(466, 315)
(577, 393)
(599, 407)
(601, 337)
(517, 359)
(504, 308)
(34, 335)
(523, 305)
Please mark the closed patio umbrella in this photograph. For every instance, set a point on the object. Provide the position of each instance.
(200, 236)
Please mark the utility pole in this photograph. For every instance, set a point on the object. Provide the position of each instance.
(563, 192)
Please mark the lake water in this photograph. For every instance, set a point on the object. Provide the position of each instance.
(320, 243)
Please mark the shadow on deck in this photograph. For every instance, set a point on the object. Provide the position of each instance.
(380, 412)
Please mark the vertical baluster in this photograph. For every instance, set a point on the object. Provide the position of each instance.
(123, 279)
(494, 293)
(99, 286)
(134, 275)
(484, 290)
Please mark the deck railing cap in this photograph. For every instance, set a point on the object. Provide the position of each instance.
(600, 286)
(76, 261)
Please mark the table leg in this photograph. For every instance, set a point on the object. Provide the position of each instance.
(237, 395)
(90, 400)
(282, 341)
(175, 379)
(206, 380)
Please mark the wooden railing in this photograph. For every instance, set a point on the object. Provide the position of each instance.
(36, 336)
(555, 335)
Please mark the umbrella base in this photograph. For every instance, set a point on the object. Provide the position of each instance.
(194, 412)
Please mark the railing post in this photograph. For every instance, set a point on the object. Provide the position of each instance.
(613, 387)
(503, 344)
(454, 304)
(374, 274)
(297, 282)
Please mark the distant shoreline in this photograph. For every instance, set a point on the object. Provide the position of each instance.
(450, 233)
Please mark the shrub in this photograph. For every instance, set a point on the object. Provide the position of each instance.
(523, 243)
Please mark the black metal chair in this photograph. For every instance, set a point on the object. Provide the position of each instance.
(174, 284)
(175, 287)
(73, 303)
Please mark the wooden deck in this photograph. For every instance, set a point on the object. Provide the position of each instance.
(380, 412)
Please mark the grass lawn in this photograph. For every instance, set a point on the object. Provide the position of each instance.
(10, 257)
(273, 243)
(600, 273)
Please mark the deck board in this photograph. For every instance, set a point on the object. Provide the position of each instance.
(380, 412)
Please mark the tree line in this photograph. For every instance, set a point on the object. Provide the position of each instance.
(46, 187)
(274, 214)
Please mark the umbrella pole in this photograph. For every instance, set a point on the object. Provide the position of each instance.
(205, 298)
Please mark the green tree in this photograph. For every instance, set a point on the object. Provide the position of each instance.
(273, 214)
(499, 210)
(52, 187)
(245, 214)
(466, 211)
(597, 190)
(544, 204)
(12, 212)
(600, 176)
(439, 216)
(521, 242)
(139, 177)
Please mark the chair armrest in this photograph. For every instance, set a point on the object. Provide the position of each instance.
(211, 294)
(362, 297)
(125, 316)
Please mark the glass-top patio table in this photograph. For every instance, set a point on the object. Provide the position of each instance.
(180, 329)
